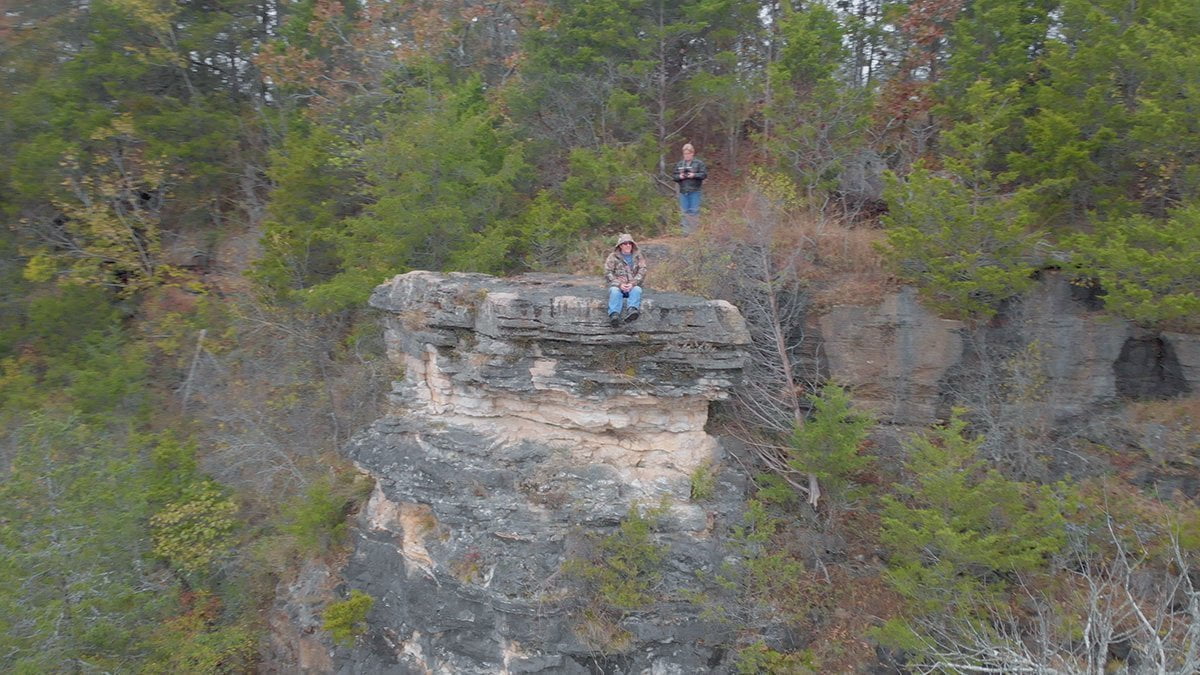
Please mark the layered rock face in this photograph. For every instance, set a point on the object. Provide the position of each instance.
(909, 365)
(525, 427)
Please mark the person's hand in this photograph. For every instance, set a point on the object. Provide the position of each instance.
(625, 288)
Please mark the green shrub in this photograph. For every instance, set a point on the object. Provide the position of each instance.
(193, 532)
(346, 620)
(965, 255)
(764, 581)
(317, 519)
(828, 444)
(758, 658)
(703, 482)
(625, 567)
(1149, 270)
(960, 531)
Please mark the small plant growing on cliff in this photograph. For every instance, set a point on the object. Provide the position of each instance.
(829, 445)
(625, 566)
(765, 582)
(346, 620)
(704, 482)
(317, 520)
(469, 568)
(618, 576)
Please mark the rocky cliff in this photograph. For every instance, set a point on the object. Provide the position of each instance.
(524, 430)
(910, 365)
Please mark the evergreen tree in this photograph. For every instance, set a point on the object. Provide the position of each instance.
(1115, 128)
(442, 171)
(1147, 269)
(956, 233)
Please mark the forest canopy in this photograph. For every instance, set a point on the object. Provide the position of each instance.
(198, 196)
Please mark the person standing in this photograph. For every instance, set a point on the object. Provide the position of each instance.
(690, 173)
(624, 272)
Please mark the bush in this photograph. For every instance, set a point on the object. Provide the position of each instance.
(828, 444)
(625, 567)
(758, 658)
(193, 532)
(317, 519)
(960, 531)
(1149, 270)
(346, 620)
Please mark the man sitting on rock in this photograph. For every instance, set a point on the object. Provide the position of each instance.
(624, 271)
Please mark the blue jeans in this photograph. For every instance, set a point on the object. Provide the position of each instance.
(615, 296)
(689, 203)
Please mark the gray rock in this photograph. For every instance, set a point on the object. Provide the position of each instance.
(909, 365)
(526, 429)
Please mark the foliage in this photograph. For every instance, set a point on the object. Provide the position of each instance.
(194, 532)
(1149, 270)
(959, 531)
(315, 181)
(829, 444)
(197, 642)
(346, 620)
(813, 124)
(761, 584)
(759, 658)
(606, 189)
(1109, 134)
(317, 518)
(624, 569)
(954, 234)
(74, 588)
(703, 482)
(442, 171)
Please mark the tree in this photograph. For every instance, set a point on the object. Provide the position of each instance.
(959, 532)
(1148, 270)
(1113, 130)
(1123, 598)
(312, 172)
(955, 234)
(442, 171)
(815, 123)
(77, 591)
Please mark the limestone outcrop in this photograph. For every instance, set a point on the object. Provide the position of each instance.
(524, 428)
(910, 366)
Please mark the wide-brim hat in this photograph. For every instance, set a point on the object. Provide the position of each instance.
(624, 238)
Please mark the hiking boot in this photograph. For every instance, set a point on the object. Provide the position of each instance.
(614, 319)
(632, 315)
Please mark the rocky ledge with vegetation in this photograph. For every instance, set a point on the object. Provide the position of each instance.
(538, 484)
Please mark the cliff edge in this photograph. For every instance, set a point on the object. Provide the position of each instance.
(524, 431)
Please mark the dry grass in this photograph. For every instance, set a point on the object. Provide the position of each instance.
(841, 263)
(1170, 430)
(1175, 412)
